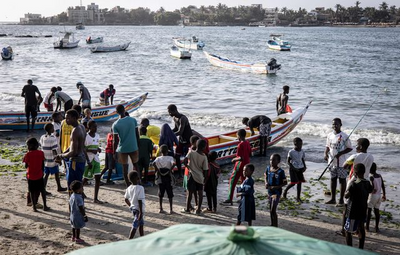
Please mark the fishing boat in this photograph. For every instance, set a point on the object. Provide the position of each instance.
(80, 25)
(90, 40)
(17, 120)
(7, 53)
(120, 47)
(192, 44)
(260, 68)
(277, 43)
(66, 42)
(180, 53)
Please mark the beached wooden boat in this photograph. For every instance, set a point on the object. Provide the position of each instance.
(91, 40)
(120, 47)
(180, 53)
(17, 120)
(259, 68)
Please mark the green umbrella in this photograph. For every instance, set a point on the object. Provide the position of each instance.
(213, 240)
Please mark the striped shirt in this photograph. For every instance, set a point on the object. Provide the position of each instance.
(49, 143)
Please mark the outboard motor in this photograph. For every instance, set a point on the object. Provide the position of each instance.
(273, 64)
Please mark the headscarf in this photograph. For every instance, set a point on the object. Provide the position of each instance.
(167, 137)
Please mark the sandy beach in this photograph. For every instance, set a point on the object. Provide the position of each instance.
(26, 232)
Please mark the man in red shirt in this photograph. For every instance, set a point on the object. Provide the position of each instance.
(106, 95)
(110, 161)
(242, 158)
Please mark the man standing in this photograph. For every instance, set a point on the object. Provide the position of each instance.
(125, 130)
(106, 95)
(31, 102)
(62, 97)
(76, 151)
(337, 145)
(85, 96)
(282, 101)
(263, 124)
(184, 131)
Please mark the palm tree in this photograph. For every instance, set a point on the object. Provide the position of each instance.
(383, 6)
(338, 7)
(284, 10)
(358, 4)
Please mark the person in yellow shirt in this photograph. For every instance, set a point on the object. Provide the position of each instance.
(153, 132)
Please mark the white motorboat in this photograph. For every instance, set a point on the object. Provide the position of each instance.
(180, 53)
(193, 43)
(277, 43)
(90, 40)
(66, 42)
(7, 53)
(120, 47)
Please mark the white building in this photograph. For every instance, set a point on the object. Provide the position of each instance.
(30, 18)
(91, 15)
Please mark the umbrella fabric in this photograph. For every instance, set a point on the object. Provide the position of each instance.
(213, 240)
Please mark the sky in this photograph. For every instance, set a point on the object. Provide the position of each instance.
(15, 9)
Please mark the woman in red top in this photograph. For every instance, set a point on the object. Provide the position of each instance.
(243, 155)
(34, 164)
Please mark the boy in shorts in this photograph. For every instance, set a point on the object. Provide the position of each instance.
(135, 199)
(376, 197)
(197, 163)
(356, 210)
(145, 154)
(109, 158)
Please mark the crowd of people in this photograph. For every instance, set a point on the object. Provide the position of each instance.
(74, 143)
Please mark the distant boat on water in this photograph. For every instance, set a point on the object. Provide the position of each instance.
(90, 40)
(120, 47)
(180, 53)
(66, 42)
(277, 43)
(7, 53)
(80, 25)
(193, 43)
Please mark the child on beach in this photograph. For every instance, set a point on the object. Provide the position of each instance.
(242, 158)
(168, 138)
(145, 154)
(50, 148)
(197, 163)
(34, 164)
(211, 182)
(247, 205)
(356, 210)
(275, 179)
(109, 158)
(77, 211)
(92, 146)
(193, 141)
(56, 118)
(164, 165)
(88, 117)
(135, 199)
(375, 199)
(297, 167)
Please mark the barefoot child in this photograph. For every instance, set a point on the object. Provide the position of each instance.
(247, 206)
(135, 199)
(356, 210)
(34, 164)
(374, 199)
(197, 163)
(164, 165)
(109, 158)
(145, 154)
(275, 179)
(50, 148)
(77, 211)
(297, 167)
(211, 182)
(242, 158)
(92, 147)
(193, 142)
(88, 117)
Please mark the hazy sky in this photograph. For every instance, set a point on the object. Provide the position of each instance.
(12, 10)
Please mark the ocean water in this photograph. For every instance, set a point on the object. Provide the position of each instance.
(342, 70)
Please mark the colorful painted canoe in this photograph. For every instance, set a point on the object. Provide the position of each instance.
(17, 120)
(259, 68)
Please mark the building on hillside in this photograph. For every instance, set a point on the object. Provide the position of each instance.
(31, 18)
(270, 17)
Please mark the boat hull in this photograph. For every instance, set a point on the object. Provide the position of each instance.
(69, 45)
(17, 120)
(96, 40)
(102, 49)
(279, 47)
(7, 57)
(181, 54)
(235, 65)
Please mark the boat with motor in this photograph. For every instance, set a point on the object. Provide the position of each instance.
(260, 68)
(17, 120)
(180, 53)
(66, 42)
(80, 26)
(7, 53)
(120, 47)
(91, 40)
(277, 43)
(194, 43)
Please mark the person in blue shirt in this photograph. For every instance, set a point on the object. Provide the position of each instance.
(126, 129)
(247, 205)
(275, 179)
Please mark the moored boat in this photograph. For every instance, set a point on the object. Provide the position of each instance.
(277, 43)
(80, 26)
(66, 42)
(261, 68)
(17, 120)
(180, 53)
(91, 40)
(7, 53)
(193, 43)
(120, 47)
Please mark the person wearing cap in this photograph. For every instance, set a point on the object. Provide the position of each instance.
(85, 96)
(106, 95)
